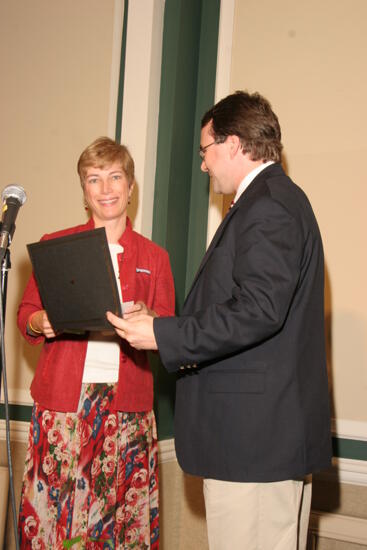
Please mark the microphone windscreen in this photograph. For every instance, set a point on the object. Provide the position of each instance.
(15, 191)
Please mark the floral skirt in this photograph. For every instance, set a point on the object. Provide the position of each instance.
(91, 478)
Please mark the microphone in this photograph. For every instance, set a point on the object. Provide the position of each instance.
(13, 197)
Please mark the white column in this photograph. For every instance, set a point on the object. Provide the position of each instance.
(141, 103)
(118, 21)
(222, 88)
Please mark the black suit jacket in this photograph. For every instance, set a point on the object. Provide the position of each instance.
(252, 400)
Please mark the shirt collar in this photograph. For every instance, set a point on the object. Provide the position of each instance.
(249, 178)
(125, 237)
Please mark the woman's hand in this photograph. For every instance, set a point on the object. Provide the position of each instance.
(38, 323)
(139, 308)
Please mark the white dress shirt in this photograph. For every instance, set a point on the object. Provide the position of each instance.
(248, 179)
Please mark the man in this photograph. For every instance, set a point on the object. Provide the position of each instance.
(252, 410)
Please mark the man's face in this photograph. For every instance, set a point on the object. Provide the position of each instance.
(216, 161)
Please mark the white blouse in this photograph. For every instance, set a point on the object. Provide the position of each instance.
(103, 351)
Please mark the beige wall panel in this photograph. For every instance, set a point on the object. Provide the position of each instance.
(308, 59)
(55, 64)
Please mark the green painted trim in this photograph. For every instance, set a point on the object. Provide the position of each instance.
(181, 41)
(350, 448)
(164, 397)
(205, 98)
(189, 54)
(21, 413)
(120, 95)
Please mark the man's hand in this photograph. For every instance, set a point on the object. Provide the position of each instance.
(137, 330)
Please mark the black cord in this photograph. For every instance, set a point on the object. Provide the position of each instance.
(7, 424)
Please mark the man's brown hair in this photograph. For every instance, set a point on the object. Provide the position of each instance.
(251, 118)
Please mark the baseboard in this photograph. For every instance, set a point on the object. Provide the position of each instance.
(339, 527)
(331, 526)
(346, 470)
(167, 451)
(18, 431)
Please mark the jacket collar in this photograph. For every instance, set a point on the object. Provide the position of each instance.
(125, 238)
(274, 169)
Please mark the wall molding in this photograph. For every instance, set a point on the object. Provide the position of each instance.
(166, 450)
(18, 431)
(222, 88)
(325, 525)
(118, 20)
(18, 396)
(339, 527)
(346, 470)
(342, 429)
(140, 108)
(343, 470)
(349, 429)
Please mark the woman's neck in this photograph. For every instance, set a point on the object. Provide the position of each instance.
(114, 229)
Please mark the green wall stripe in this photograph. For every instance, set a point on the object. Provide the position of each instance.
(120, 95)
(189, 53)
(22, 413)
(205, 96)
(352, 449)
(181, 40)
(173, 169)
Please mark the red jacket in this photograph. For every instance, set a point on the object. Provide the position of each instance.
(58, 378)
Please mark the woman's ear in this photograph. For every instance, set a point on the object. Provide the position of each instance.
(131, 189)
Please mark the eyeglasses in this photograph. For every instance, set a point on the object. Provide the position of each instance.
(202, 150)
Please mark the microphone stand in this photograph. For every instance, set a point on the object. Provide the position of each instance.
(5, 266)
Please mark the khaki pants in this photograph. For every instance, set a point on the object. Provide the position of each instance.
(257, 516)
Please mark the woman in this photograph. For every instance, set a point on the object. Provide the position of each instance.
(91, 473)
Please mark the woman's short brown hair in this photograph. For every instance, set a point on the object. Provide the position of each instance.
(103, 152)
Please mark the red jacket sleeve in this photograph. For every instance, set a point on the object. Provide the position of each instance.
(30, 303)
(164, 296)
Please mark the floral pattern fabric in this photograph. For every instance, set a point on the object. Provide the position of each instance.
(91, 478)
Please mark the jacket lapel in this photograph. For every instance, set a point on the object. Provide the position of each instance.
(245, 195)
(213, 244)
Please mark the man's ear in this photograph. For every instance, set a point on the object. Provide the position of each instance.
(234, 144)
